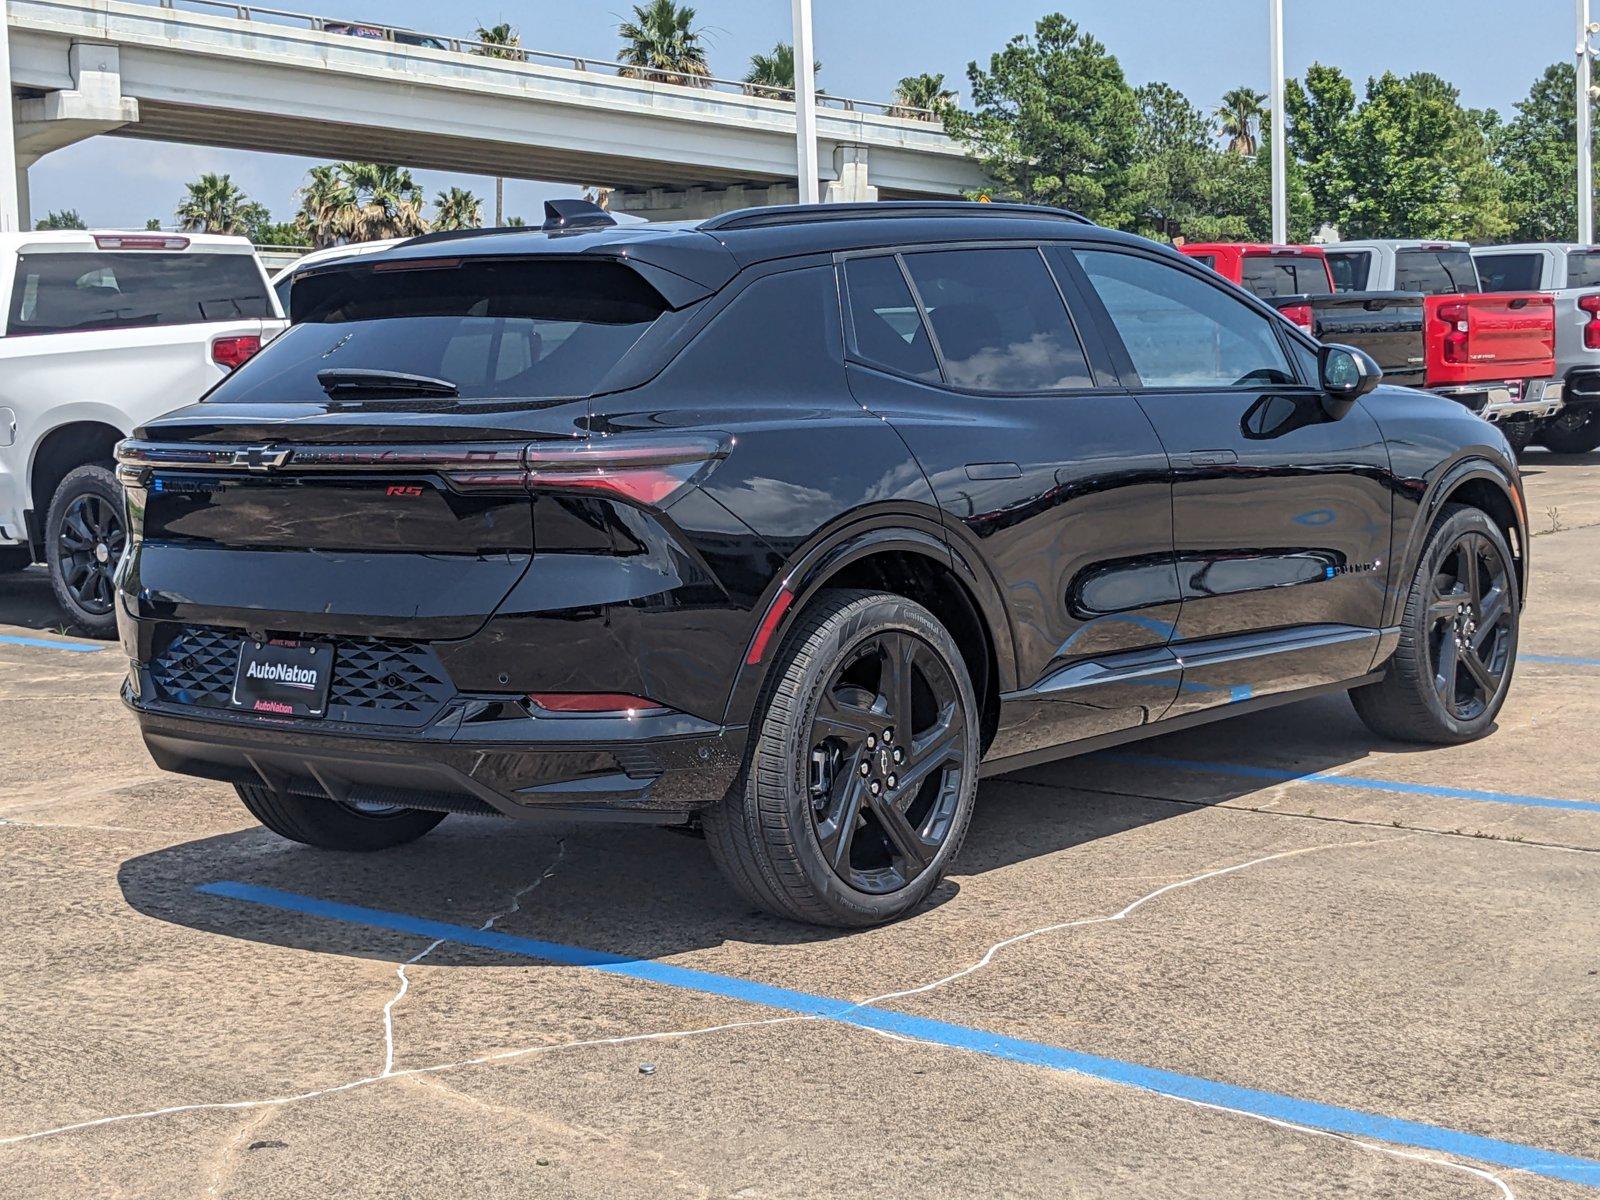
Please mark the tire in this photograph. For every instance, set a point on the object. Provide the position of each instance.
(15, 558)
(828, 714)
(1519, 433)
(1574, 431)
(333, 825)
(84, 537)
(1432, 691)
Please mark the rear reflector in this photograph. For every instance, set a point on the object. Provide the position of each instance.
(769, 626)
(233, 352)
(139, 241)
(593, 702)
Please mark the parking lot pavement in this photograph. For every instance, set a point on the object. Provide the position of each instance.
(1272, 957)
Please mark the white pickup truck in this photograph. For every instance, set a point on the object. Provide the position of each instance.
(1572, 274)
(100, 332)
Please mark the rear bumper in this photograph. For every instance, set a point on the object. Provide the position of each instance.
(1582, 387)
(657, 769)
(1508, 400)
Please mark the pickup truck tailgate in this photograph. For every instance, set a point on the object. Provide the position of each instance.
(1387, 325)
(1490, 337)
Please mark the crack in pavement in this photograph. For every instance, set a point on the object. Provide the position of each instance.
(390, 1072)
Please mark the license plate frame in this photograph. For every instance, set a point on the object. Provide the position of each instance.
(283, 677)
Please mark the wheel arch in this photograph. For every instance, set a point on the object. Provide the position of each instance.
(912, 557)
(1477, 483)
(60, 451)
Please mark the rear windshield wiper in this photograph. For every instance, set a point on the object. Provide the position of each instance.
(389, 383)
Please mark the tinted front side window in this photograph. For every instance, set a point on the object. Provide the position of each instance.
(1351, 269)
(499, 329)
(999, 320)
(1583, 268)
(1435, 272)
(1285, 275)
(1509, 272)
(1180, 330)
(63, 291)
(886, 328)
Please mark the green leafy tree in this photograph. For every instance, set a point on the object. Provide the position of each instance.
(67, 218)
(277, 233)
(457, 208)
(1537, 154)
(498, 41)
(1239, 118)
(772, 75)
(661, 43)
(922, 98)
(1318, 136)
(1053, 121)
(153, 225)
(215, 204)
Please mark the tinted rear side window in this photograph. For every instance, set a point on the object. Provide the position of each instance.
(1583, 268)
(1285, 275)
(66, 291)
(500, 329)
(999, 321)
(1351, 269)
(885, 327)
(1435, 272)
(1509, 272)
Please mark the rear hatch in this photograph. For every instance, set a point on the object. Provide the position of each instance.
(1489, 337)
(364, 474)
(1387, 325)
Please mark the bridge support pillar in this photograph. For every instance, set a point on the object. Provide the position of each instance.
(852, 184)
(93, 105)
(11, 171)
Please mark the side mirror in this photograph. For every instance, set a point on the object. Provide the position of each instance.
(1346, 374)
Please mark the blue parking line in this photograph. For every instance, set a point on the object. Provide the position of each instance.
(1279, 775)
(40, 643)
(1565, 660)
(1327, 1117)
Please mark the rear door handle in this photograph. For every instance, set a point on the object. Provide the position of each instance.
(996, 470)
(1212, 458)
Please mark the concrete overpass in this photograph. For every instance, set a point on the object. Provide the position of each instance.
(250, 78)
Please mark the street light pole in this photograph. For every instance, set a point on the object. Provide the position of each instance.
(1280, 182)
(10, 209)
(805, 104)
(1585, 138)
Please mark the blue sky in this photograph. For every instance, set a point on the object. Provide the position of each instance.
(1491, 49)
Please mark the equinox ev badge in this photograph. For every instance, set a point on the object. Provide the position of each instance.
(260, 458)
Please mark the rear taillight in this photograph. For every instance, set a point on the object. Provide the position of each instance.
(233, 352)
(1455, 340)
(1299, 314)
(645, 469)
(1590, 305)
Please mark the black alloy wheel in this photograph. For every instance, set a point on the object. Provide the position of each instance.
(1469, 619)
(888, 759)
(84, 541)
(1572, 431)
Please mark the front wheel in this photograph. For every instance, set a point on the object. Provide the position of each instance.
(864, 766)
(335, 824)
(1572, 431)
(1458, 638)
(84, 541)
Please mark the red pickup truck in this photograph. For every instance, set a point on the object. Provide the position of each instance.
(1286, 276)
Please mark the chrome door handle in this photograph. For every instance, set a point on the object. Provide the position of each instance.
(994, 470)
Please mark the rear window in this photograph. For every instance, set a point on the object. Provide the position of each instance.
(1351, 269)
(61, 291)
(1285, 275)
(1435, 272)
(1583, 268)
(498, 329)
(1509, 272)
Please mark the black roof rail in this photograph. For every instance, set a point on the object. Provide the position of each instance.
(803, 214)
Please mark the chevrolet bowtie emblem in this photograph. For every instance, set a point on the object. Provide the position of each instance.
(260, 458)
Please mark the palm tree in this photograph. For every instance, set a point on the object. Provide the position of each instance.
(922, 97)
(327, 205)
(772, 75)
(499, 41)
(1239, 117)
(457, 208)
(214, 204)
(661, 44)
(388, 202)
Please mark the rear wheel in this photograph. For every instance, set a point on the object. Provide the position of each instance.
(864, 768)
(335, 824)
(1458, 638)
(1572, 431)
(84, 540)
(1519, 432)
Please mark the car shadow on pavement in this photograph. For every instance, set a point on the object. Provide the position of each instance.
(26, 602)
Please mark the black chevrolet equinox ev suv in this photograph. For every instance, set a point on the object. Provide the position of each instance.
(789, 524)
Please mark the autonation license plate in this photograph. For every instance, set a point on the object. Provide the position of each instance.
(283, 678)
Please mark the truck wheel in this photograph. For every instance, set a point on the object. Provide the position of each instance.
(333, 824)
(863, 769)
(84, 538)
(1458, 638)
(1572, 431)
(1519, 432)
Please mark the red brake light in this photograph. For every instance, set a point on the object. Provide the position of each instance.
(234, 352)
(1591, 329)
(593, 702)
(646, 468)
(1299, 314)
(139, 241)
(1454, 314)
